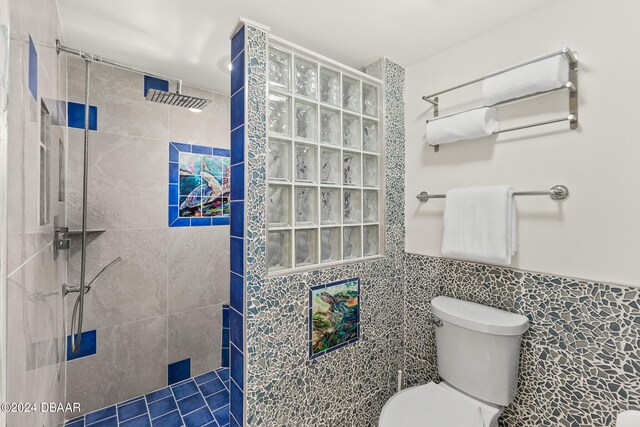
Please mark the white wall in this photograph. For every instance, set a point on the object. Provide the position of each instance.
(595, 234)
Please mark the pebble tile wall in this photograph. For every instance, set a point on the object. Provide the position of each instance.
(580, 357)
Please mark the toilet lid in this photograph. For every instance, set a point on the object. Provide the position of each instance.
(430, 405)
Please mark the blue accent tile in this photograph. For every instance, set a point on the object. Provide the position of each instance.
(237, 146)
(141, 421)
(237, 366)
(237, 182)
(75, 116)
(225, 337)
(237, 219)
(77, 423)
(155, 83)
(236, 292)
(174, 153)
(201, 149)
(235, 329)
(237, 42)
(132, 410)
(237, 399)
(222, 416)
(220, 220)
(162, 406)
(237, 255)
(173, 194)
(157, 395)
(170, 420)
(183, 390)
(224, 357)
(223, 374)
(199, 222)
(33, 69)
(183, 148)
(221, 152)
(88, 346)
(108, 422)
(100, 414)
(178, 371)
(174, 173)
(218, 400)
(237, 74)
(225, 315)
(191, 403)
(237, 109)
(201, 379)
(198, 418)
(233, 423)
(211, 387)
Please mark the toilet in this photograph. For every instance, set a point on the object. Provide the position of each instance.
(478, 355)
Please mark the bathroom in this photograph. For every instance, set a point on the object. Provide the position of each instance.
(248, 225)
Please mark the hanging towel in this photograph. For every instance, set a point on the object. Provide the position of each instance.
(471, 124)
(628, 419)
(480, 224)
(540, 76)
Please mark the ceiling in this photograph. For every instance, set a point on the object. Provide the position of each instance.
(189, 39)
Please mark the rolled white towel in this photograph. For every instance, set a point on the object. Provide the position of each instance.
(540, 76)
(476, 123)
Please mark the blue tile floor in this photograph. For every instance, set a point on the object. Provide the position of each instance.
(196, 402)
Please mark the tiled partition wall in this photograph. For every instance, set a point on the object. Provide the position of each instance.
(580, 357)
(37, 139)
(348, 386)
(158, 313)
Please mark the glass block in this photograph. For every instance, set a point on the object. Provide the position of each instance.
(351, 94)
(351, 243)
(350, 168)
(330, 86)
(351, 131)
(330, 206)
(370, 172)
(306, 121)
(279, 206)
(352, 207)
(280, 114)
(370, 206)
(369, 136)
(370, 240)
(369, 100)
(279, 160)
(306, 207)
(279, 250)
(306, 163)
(329, 126)
(306, 78)
(330, 166)
(279, 70)
(330, 244)
(306, 247)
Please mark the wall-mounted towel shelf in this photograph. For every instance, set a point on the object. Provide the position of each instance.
(571, 86)
(557, 192)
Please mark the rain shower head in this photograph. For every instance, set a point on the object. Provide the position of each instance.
(177, 98)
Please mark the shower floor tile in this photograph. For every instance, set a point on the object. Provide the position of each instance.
(195, 402)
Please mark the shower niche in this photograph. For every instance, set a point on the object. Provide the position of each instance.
(324, 163)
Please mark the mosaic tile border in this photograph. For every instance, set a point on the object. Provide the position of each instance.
(580, 358)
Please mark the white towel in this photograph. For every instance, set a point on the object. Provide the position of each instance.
(480, 224)
(476, 123)
(541, 76)
(628, 419)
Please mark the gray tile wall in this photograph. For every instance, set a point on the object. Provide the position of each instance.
(580, 357)
(35, 333)
(163, 302)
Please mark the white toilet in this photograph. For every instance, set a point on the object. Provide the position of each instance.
(478, 355)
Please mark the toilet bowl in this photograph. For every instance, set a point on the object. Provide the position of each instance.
(478, 351)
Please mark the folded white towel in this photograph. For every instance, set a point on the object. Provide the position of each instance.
(628, 419)
(471, 124)
(480, 225)
(540, 76)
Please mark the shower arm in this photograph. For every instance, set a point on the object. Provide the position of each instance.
(97, 58)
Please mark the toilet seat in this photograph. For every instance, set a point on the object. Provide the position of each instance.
(436, 405)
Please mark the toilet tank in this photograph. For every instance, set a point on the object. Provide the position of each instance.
(479, 348)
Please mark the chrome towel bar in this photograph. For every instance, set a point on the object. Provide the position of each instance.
(557, 192)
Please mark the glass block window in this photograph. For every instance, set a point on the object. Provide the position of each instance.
(324, 163)
(199, 185)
